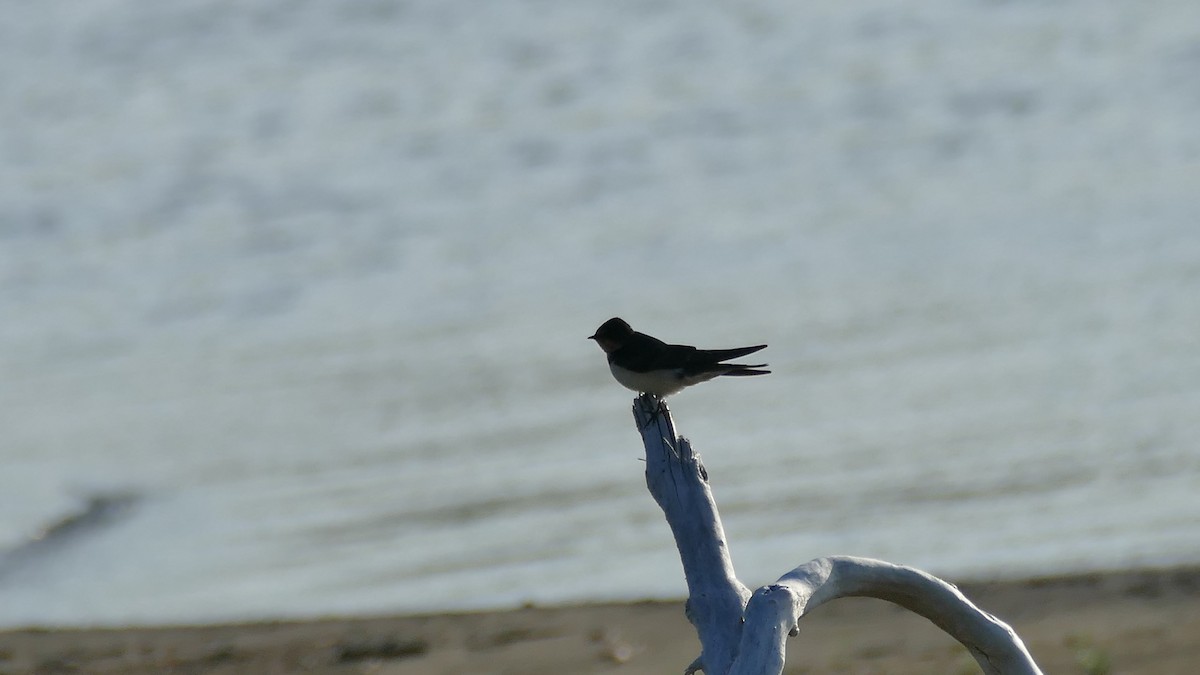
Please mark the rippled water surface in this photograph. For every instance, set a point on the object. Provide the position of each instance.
(294, 297)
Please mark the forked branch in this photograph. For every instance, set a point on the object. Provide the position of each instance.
(718, 602)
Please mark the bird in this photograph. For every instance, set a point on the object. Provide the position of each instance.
(648, 365)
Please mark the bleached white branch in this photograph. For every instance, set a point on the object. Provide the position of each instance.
(774, 611)
(679, 483)
(718, 602)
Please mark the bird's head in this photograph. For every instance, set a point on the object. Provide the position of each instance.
(612, 334)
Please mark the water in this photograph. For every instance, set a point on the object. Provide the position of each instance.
(294, 297)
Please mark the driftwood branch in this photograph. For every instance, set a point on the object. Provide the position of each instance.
(774, 611)
(744, 634)
(678, 482)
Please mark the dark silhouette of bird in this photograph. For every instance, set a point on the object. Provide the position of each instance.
(648, 365)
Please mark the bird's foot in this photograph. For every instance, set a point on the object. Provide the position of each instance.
(655, 404)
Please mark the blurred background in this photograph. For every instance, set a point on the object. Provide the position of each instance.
(294, 296)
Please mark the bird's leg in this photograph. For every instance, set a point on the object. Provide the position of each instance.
(654, 406)
(660, 408)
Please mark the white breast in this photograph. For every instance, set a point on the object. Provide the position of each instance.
(657, 382)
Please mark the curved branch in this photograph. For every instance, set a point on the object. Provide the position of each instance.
(717, 601)
(775, 610)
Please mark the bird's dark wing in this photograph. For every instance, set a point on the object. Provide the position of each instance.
(642, 353)
(697, 361)
(715, 355)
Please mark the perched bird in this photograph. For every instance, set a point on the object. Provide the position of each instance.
(648, 365)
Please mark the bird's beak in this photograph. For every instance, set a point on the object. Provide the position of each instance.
(591, 337)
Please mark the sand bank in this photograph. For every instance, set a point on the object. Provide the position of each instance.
(1129, 623)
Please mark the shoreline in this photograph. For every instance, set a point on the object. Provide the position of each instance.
(1132, 622)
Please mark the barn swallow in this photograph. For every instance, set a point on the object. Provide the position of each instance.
(648, 365)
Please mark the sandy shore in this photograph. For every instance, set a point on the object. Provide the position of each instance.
(1128, 623)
